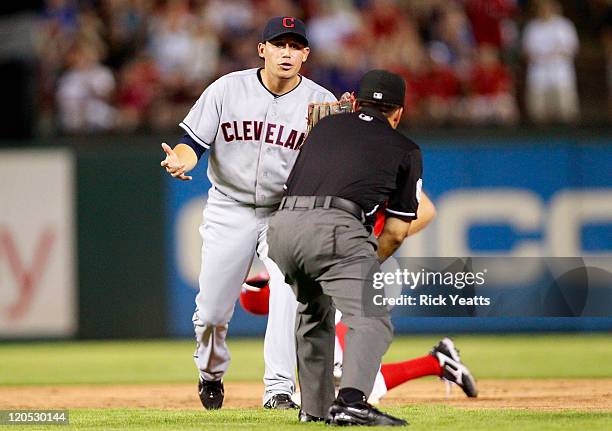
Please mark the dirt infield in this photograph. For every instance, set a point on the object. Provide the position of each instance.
(546, 394)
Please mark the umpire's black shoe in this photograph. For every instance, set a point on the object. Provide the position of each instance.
(360, 413)
(211, 394)
(305, 417)
(280, 402)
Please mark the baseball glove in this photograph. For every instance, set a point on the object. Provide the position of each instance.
(316, 111)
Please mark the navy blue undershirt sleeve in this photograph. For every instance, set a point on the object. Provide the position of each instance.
(188, 140)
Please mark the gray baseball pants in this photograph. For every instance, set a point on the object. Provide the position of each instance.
(328, 258)
(232, 232)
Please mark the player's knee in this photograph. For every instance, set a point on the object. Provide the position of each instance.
(216, 320)
(211, 319)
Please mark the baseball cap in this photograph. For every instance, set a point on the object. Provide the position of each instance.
(381, 86)
(281, 25)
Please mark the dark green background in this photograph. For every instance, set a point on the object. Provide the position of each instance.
(120, 213)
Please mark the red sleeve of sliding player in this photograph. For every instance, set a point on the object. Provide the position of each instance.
(379, 220)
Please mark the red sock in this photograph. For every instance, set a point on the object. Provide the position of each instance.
(401, 372)
(341, 329)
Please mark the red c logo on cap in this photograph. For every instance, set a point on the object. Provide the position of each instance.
(288, 22)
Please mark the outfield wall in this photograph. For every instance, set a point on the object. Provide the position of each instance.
(128, 255)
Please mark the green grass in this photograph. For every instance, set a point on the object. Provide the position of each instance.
(420, 417)
(116, 362)
(524, 356)
(112, 362)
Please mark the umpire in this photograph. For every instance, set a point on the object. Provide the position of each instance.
(349, 166)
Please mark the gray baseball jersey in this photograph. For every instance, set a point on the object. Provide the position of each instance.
(253, 135)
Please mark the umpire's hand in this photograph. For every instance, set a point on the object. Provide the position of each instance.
(173, 163)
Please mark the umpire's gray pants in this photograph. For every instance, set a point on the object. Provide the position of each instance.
(328, 257)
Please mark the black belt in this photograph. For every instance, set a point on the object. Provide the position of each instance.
(293, 203)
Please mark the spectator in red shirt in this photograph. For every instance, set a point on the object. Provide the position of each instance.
(435, 88)
(487, 18)
(491, 99)
(138, 88)
(383, 18)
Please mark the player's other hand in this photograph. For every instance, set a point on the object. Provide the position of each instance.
(173, 165)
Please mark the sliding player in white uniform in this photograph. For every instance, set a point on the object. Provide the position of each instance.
(253, 122)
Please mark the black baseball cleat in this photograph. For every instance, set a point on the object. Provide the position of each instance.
(211, 394)
(280, 402)
(360, 413)
(454, 370)
(305, 417)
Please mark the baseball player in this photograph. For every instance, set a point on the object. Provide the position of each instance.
(253, 122)
(443, 361)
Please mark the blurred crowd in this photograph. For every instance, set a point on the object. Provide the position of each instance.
(127, 65)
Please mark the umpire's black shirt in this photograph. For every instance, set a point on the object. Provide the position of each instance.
(360, 157)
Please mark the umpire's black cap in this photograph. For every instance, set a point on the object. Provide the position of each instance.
(382, 87)
(281, 25)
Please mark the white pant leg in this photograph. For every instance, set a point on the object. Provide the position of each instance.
(568, 103)
(229, 235)
(380, 388)
(279, 343)
(536, 102)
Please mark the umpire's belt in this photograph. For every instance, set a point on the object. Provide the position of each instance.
(302, 203)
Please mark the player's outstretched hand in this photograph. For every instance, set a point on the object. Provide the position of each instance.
(173, 165)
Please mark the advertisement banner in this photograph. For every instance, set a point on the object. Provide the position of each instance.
(38, 295)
